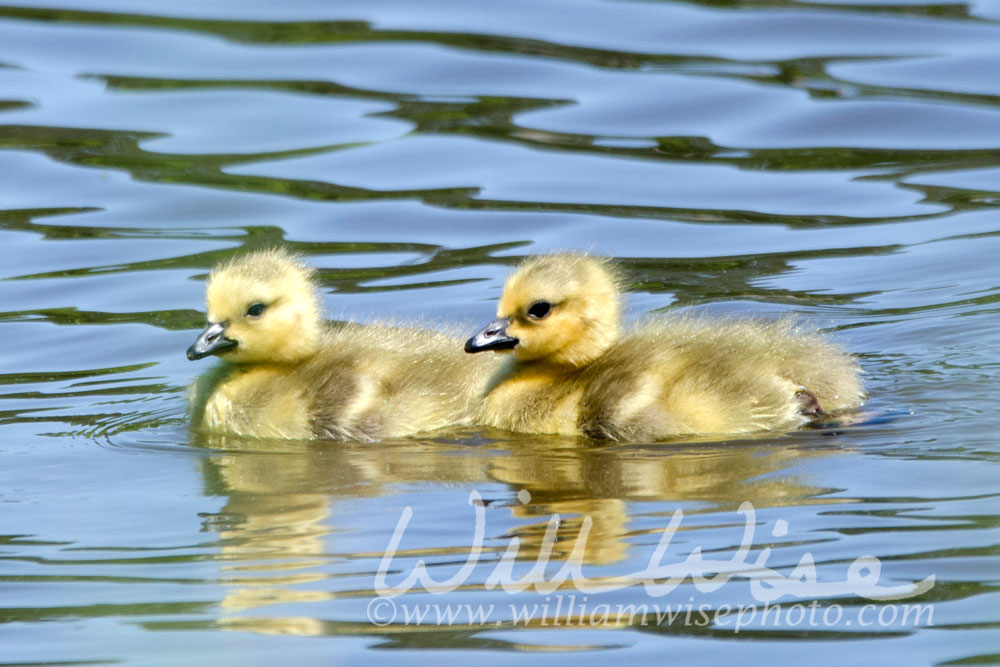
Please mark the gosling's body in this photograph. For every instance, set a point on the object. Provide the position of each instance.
(291, 375)
(573, 373)
(679, 376)
(356, 387)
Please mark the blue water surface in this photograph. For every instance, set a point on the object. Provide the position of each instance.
(836, 161)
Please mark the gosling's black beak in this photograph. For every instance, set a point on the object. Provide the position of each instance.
(492, 337)
(211, 341)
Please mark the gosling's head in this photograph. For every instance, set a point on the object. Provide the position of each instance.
(563, 309)
(261, 307)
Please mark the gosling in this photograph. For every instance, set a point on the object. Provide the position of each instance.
(286, 373)
(574, 373)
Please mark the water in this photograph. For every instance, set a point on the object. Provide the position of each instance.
(838, 161)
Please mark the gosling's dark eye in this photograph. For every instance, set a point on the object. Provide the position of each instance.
(256, 310)
(539, 310)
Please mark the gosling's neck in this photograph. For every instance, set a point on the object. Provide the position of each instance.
(569, 359)
(295, 352)
(294, 346)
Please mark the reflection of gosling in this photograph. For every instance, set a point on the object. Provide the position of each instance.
(572, 373)
(288, 374)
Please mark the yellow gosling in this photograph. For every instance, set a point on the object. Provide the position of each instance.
(286, 373)
(573, 373)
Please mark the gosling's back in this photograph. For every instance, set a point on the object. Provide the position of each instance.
(391, 381)
(687, 376)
